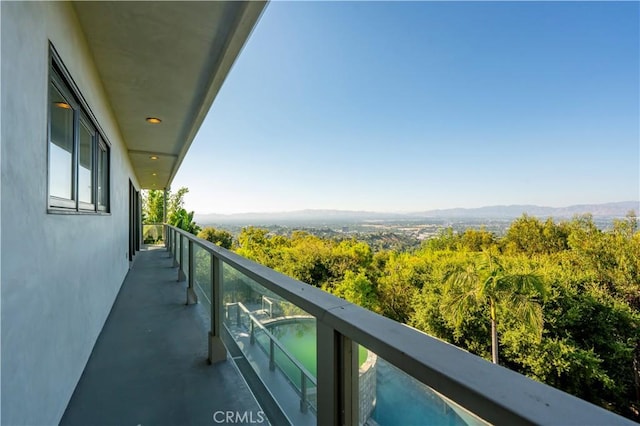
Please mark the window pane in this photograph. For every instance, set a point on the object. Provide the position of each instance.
(103, 176)
(60, 146)
(85, 182)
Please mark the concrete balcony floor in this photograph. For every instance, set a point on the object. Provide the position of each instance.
(149, 365)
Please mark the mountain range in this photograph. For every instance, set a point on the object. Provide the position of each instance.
(617, 209)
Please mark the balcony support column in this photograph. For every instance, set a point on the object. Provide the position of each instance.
(217, 350)
(192, 298)
(164, 217)
(337, 363)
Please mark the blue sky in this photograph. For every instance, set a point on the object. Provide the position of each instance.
(409, 106)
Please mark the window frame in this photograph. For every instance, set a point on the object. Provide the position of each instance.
(55, 201)
(103, 146)
(83, 121)
(62, 81)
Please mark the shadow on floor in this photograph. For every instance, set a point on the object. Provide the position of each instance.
(149, 364)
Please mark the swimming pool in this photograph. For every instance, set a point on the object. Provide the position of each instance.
(397, 398)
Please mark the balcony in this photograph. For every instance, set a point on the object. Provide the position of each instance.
(286, 352)
(149, 365)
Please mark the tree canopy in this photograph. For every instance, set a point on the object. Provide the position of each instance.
(153, 209)
(217, 236)
(562, 300)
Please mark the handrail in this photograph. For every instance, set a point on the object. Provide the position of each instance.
(297, 363)
(490, 391)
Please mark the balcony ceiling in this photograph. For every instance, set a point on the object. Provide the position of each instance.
(166, 60)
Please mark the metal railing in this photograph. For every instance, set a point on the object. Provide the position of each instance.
(305, 376)
(489, 391)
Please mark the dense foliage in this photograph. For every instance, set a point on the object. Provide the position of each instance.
(217, 236)
(153, 209)
(563, 298)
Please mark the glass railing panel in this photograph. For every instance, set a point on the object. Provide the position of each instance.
(279, 341)
(389, 396)
(176, 246)
(185, 256)
(202, 275)
(152, 233)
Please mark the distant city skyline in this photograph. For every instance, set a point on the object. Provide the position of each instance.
(412, 106)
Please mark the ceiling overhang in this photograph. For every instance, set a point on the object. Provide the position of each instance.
(168, 60)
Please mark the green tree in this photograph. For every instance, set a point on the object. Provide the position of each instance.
(488, 284)
(217, 236)
(357, 288)
(446, 239)
(152, 206)
(349, 256)
(175, 203)
(477, 240)
(400, 281)
(307, 259)
(256, 244)
(184, 220)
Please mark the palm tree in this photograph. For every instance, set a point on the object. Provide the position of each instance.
(488, 284)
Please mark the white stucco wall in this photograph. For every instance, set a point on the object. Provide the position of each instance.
(60, 274)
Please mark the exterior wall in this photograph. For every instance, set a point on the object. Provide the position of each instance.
(60, 274)
(367, 385)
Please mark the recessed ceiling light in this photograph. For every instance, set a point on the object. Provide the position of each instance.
(62, 105)
(154, 157)
(153, 174)
(153, 120)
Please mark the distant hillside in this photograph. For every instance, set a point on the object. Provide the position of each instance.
(597, 210)
(301, 216)
(618, 209)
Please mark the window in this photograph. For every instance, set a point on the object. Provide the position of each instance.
(103, 175)
(60, 145)
(78, 153)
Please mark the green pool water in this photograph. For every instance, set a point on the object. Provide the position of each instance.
(299, 339)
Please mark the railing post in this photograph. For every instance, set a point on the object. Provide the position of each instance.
(351, 381)
(191, 293)
(252, 336)
(164, 206)
(272, 356)
(303, 392)
(181, 274)
(337, 363)
(174, 244)
(217, 351)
